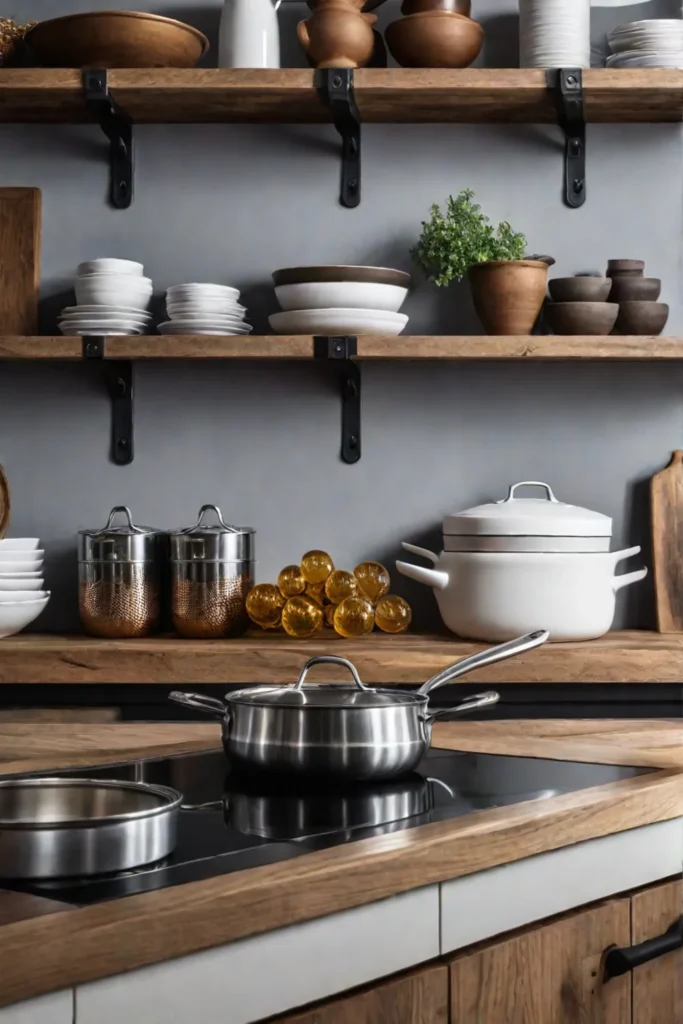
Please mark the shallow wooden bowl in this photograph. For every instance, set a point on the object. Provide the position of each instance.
(435, 39)
(454, 6)
(116, 39)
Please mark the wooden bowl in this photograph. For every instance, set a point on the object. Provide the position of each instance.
(643, 318)
(116, 39)
(434, 39)
(635, 289)
(454, 6)
(580, 289)
(597, 318)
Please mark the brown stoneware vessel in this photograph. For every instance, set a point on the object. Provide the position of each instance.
(337, 35)
(434, 39)
(625, 268)
(116, 39)
(642, 318)
(580, 289)
(597, 318)
(454, 6)
(508, 294)
(635, 289)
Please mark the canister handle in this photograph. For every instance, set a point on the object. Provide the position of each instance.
(219, 515)
(127, 513)
(529, 483)
(329, 659)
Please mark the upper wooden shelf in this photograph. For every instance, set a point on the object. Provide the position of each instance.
(633, 657)
(459, 347)
(471, 95)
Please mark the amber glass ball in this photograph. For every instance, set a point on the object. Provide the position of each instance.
(264, 605)
(374, 580)
(340, 585)
(354, 617)
(393, 614)
(316, 592)
(291, 581)
(301, 617)
(316, 566)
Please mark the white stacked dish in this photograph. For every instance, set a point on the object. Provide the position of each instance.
(340, 300)
(655, 43)
(199, 308)
(112, 296)
(22, 597)
(554, 33)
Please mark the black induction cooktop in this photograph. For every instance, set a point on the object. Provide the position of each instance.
(231, 822)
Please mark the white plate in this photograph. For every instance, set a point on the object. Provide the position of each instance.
(219, 291)
(205, 307)
(341, 295)
(109, 321)
(23, 584)
(10, 555)
(338, 321)
(96, 311)
(636, 59)
(12, 596)
(34, 574)
(19, 544)
(209, 321)
(78, 331)
(171, 328)
(33, 565)
(110, 266)
(17, 616)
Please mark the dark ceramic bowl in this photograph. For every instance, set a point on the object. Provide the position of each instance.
(635, 289)
(580, 289)
(643, 318)
(597, 318)
(625, 268)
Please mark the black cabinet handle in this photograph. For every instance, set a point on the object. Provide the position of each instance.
(621, 961)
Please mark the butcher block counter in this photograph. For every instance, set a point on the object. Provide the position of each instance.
(46, 946)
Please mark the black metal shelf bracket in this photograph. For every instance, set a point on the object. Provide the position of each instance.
(118, 376)
(567, 84)
(118, 128)
(341, 350)
(335, 89)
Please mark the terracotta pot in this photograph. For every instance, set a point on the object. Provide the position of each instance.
(337, 35)
(434, 39)
(508, 294)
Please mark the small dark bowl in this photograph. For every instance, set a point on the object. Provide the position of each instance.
(635, 289)
(596, 318)
(625, 268)
(580, 289)
(643, 318)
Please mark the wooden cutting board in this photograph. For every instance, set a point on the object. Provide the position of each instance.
(20, 210)
(4, 503)
(667, 544)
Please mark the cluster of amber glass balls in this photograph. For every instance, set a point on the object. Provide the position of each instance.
(315, 594)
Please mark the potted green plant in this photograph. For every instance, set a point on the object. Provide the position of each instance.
(508, 291)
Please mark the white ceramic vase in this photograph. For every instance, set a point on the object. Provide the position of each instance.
(249, 34)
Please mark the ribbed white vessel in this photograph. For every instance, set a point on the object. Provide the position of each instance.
(554, 33)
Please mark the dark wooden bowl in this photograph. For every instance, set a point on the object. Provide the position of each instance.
(580, 289)
(116, 39)
(435, 39)
(454, 6)
(597, 318)
(635, 289)
(643, 318)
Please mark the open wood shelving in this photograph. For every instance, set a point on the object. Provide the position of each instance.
(618, 657)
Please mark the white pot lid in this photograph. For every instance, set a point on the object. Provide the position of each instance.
(528, 517)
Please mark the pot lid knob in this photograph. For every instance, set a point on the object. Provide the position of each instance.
(329, 659)
(529, 483)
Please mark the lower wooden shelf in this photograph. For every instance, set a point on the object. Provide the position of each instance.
(619, 657)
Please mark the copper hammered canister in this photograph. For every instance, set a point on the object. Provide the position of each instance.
(212, 571)
(119, 588)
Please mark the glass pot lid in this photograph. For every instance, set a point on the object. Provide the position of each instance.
(218, 542)
(123, 542)
(528, 517)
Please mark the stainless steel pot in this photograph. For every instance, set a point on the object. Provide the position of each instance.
(59, 828)
(341, 731)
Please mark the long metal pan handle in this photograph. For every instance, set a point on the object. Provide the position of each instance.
(330, 659)
(488, 657)
(200, 702)
(474, 703)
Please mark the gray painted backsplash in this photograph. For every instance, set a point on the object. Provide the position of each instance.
(231, 204)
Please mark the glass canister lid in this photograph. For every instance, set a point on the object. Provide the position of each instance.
(528, 517)
(124, 542)
(219, 542)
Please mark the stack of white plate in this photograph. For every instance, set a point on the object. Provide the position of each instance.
(22, 597)
(554, 33)
(657, 43)
(204, 309)
(340, 300)
(112, 296)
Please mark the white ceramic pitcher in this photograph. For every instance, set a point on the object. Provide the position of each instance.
(249, 34)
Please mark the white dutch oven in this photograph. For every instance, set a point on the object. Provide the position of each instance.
(523, 564)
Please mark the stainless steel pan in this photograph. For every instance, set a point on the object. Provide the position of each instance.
(341, 731)
(57, 828)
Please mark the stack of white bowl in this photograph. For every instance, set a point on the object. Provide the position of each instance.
(340, 300)
(113, 298)
(204, 309)
(554, 33)
(657, 43)
(22, 596)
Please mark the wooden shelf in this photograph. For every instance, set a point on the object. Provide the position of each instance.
(631, 657)
(217, 95)
(475, 347)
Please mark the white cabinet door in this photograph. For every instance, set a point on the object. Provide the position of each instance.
(268, 974)
(56, 1008)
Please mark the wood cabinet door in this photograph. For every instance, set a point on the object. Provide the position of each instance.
(657, 985)
(550, 974)
(417, 998)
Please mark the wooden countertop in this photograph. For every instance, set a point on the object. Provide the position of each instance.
(46, 946)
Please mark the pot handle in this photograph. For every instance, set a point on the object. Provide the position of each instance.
(200, 702)
(627, 579)
(421, 552)
(529, 483)
(474, 703)
(488, 657)
(329, 659)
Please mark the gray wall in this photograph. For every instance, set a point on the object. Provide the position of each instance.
(232, 204)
